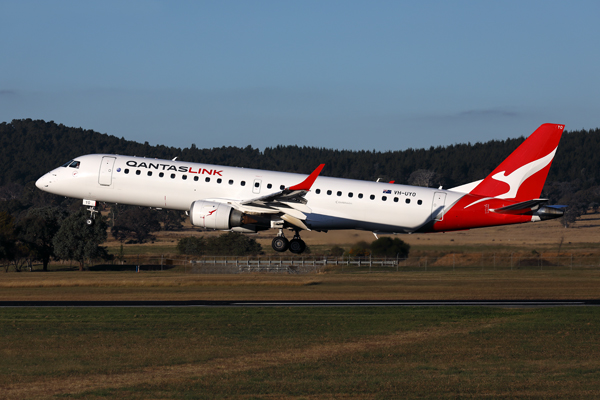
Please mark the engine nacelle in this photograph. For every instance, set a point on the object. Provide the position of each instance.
(212, 215)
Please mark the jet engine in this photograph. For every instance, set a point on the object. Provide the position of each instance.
(212, 215)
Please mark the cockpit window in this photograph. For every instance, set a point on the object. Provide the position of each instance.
(67, 163)
(74, 164)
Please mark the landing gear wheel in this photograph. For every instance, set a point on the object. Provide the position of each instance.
(280, 244)
(297, 246)
(89, 221)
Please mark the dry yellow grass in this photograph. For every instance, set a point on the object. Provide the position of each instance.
(463, 285)
(547, 235)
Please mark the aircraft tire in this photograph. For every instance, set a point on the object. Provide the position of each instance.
(297, 246)
(280, 244)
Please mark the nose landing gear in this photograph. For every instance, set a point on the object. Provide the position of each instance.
(93, 212)
(92, 209)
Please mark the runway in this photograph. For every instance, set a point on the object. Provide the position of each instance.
(309, 303)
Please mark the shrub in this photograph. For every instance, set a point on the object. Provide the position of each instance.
(336, 251)
(227, 244)
(360, 249)
(388, 247)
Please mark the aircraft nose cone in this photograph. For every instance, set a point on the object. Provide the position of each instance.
(42, 182)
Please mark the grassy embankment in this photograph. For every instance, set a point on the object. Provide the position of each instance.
(544, 237)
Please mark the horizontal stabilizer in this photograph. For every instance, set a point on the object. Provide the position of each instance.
(524, 207)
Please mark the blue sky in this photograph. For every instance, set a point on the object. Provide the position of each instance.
(360, 75)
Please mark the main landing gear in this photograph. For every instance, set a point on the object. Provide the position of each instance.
(281, 244)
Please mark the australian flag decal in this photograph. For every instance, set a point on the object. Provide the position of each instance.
(387, 192)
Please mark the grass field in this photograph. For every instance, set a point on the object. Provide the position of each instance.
(313, 353)
(299, 353)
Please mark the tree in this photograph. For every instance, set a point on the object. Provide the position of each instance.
(195, 246)
(7, 239)
(424, 177)
(136, 225)
(171, 220)
(75, 240)
(37, 231)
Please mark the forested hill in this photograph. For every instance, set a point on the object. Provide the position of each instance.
(30, 148)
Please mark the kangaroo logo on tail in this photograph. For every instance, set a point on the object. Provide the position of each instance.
(524, 171)
(515, 179)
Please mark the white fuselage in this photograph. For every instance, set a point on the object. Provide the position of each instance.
(335, 203)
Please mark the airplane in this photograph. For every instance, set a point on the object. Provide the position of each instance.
(250, 200)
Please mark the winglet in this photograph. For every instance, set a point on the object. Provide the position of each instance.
(308, 182)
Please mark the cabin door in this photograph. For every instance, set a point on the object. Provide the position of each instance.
(106, 171)
(437, 208)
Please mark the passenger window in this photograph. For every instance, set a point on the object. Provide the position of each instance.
(395, 199)
(256, 184)
(419, 202)
(219, 180)
(339, 193)
(196, 179)
(350, 194)
(269, 186)
(318, 191)
(243, 183)
(149, 173)
(207, 179)
(172, 176)
(372, 197)
(384, 198)
(161, 174)
(360, 195)
(184, 177)
(329, 192)
(281, 187)
(138, 172)
(231, 181)
(126, 170)
(407, 201)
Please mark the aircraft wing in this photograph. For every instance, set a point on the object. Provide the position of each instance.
(292, 196)
(289, 202)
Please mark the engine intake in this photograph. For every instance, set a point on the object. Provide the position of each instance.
(212, 215)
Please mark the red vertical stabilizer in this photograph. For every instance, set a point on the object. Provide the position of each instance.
(522, 175)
